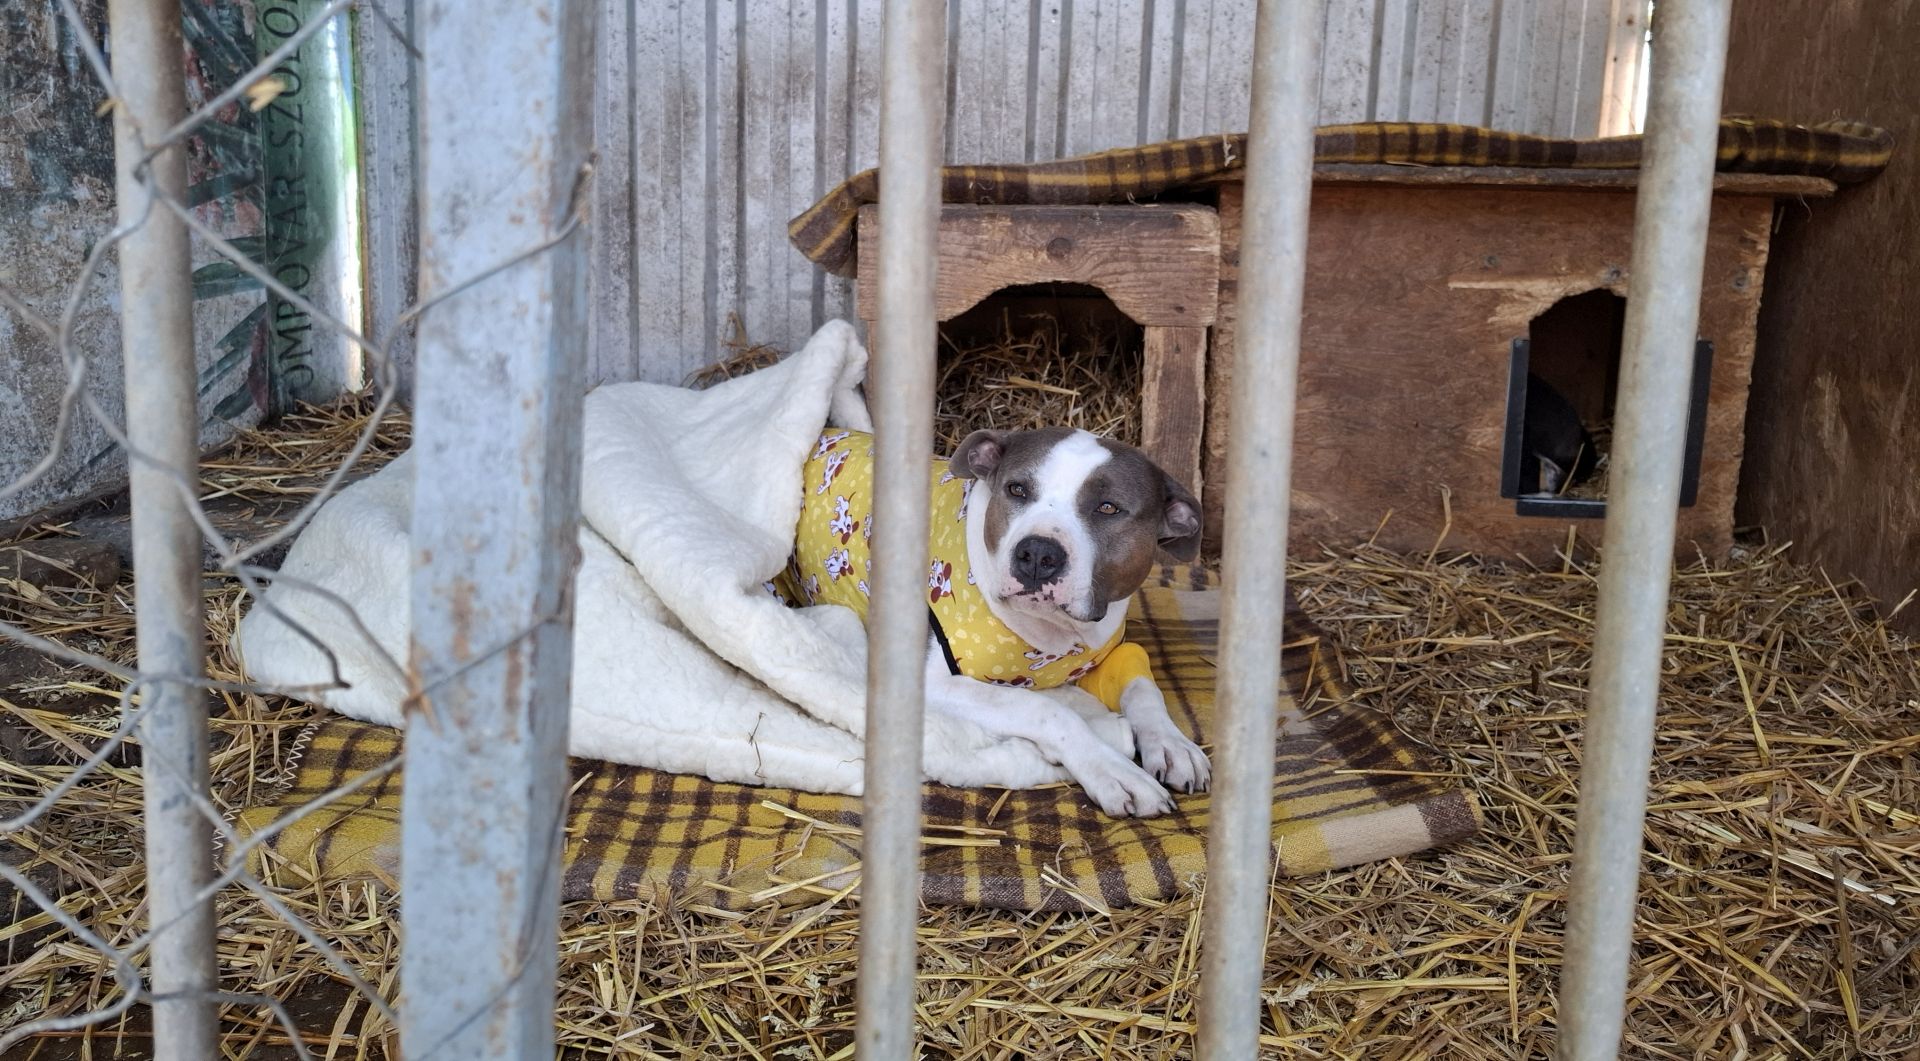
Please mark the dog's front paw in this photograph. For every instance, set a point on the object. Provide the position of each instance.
(1165, 752)
(1120, 787)
(1168, 755)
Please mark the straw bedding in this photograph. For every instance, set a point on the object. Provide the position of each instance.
(1776, 917)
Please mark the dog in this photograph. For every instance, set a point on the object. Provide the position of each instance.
(1039, 540)
(1558, 452)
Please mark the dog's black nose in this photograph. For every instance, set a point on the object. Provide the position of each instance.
(1038, 561)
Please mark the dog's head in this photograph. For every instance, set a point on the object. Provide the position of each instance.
(1072, 520)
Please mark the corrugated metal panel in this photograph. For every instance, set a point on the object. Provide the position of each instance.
(744, 113)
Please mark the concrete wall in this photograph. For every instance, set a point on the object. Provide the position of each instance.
(56, 201)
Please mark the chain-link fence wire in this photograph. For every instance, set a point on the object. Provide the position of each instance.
(42, 791)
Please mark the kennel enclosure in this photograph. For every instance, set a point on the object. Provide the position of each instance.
(490, 663)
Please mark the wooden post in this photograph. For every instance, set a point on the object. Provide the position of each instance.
(1173, 400)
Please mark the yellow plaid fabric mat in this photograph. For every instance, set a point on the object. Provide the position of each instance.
(1845, 152)
(1351, 788)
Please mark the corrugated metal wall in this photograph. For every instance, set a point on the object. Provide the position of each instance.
(719, 120)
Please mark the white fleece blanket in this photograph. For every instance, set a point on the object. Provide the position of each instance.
(682, 661)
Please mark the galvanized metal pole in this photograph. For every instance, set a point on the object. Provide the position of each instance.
(1649, 434)
(504, 132)
(901, 399)
(1273, 261)
(156, 330)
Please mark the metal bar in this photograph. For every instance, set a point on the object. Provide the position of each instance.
(1273, 252)
(901, 395)
(504, 133)
(156, 328)
(1649, 440)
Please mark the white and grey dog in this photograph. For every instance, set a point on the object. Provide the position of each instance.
(1067, 534)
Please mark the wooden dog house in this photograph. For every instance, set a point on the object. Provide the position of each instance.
(1430, 293)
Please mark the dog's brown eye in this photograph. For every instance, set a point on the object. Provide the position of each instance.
(1016, 489)
(1108, 508)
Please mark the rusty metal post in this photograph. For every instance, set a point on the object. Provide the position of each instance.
(504, 94)
(156, 329)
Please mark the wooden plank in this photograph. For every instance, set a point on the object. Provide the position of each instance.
(612, 353)
(1159, 264)
(1582, 39)
(1413, 298)
(1231, 208)
(1346, 63)
(1625, 56)
(1836, 413)
(1173, 401)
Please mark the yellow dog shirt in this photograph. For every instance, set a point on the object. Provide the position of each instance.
(832, 561)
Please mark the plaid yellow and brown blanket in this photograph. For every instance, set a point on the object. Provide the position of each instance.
(1845, 152)
(1350, 788)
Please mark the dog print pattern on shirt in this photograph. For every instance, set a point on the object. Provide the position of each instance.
(832, 546)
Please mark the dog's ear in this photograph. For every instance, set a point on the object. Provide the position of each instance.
(979, 455)
(1180, 523)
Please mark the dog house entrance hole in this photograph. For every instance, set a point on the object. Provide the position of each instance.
(1040, 355)
(1560, 402)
